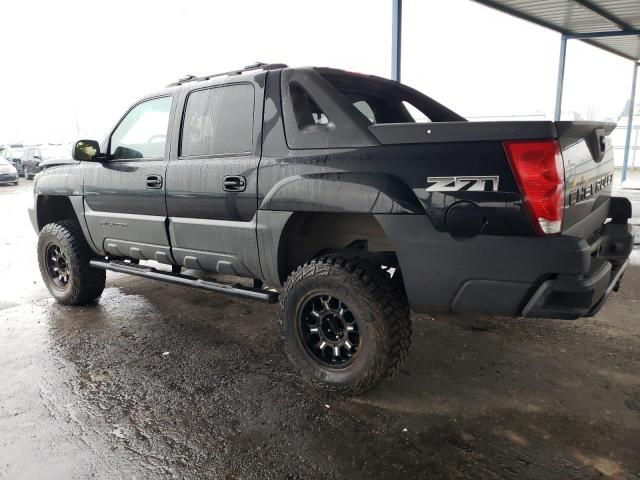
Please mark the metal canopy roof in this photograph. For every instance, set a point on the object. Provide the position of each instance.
(613, 25)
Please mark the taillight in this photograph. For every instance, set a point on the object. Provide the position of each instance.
(539, 171)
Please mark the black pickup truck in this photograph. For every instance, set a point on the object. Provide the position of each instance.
(349, 198)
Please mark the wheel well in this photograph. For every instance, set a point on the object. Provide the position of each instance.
(53, 208)
(308, 235)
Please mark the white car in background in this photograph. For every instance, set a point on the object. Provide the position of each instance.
(8, 173)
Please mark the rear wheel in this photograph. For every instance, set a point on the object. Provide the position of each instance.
(63, 257)
(345, 322)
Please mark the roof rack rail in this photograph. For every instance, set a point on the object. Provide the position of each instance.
(248, 68)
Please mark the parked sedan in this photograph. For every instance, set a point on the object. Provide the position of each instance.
(35, 158)
(14, 156)
(8, 173)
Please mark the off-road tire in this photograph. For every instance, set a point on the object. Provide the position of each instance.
(379, 306)
(84, 283)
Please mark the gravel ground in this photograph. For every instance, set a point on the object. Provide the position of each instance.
(160, 381)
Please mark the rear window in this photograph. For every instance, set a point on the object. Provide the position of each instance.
(218, 121)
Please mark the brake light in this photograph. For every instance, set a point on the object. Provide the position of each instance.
(539, 171)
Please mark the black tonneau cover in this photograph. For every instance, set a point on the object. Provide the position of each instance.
(568, 133)
(399, 133)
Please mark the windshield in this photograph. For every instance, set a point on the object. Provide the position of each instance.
(3, 161)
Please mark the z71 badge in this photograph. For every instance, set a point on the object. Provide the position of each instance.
(470, 184)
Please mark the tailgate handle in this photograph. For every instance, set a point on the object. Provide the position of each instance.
(597, 143)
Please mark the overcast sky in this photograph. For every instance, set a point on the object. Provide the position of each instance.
(71, 67)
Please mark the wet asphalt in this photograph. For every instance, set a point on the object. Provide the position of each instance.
(160, 381)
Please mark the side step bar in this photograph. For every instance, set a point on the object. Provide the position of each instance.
(268, 296)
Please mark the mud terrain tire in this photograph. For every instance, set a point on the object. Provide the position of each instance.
(63, 257)
(350, 304)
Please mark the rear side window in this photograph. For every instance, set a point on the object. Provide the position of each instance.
(218, 121)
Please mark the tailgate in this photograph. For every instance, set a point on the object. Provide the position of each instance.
(588, 168)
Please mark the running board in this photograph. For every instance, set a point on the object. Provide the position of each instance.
(269, 296)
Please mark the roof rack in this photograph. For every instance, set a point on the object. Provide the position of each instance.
(248, 68)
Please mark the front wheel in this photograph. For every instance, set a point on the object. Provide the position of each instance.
(63, 257)
(346, 324)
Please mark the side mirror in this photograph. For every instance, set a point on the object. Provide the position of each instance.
(87, 151)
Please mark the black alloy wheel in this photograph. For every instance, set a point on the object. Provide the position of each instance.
(329, 331)
(57, 266)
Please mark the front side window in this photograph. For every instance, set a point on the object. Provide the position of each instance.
(143, 132)
(218, 121)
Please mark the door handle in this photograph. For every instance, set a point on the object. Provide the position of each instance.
(154, 181)
(234, 183)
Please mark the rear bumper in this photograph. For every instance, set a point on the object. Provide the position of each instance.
(574, 296)
(19, 167)
(554, 277)
(32, 169)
